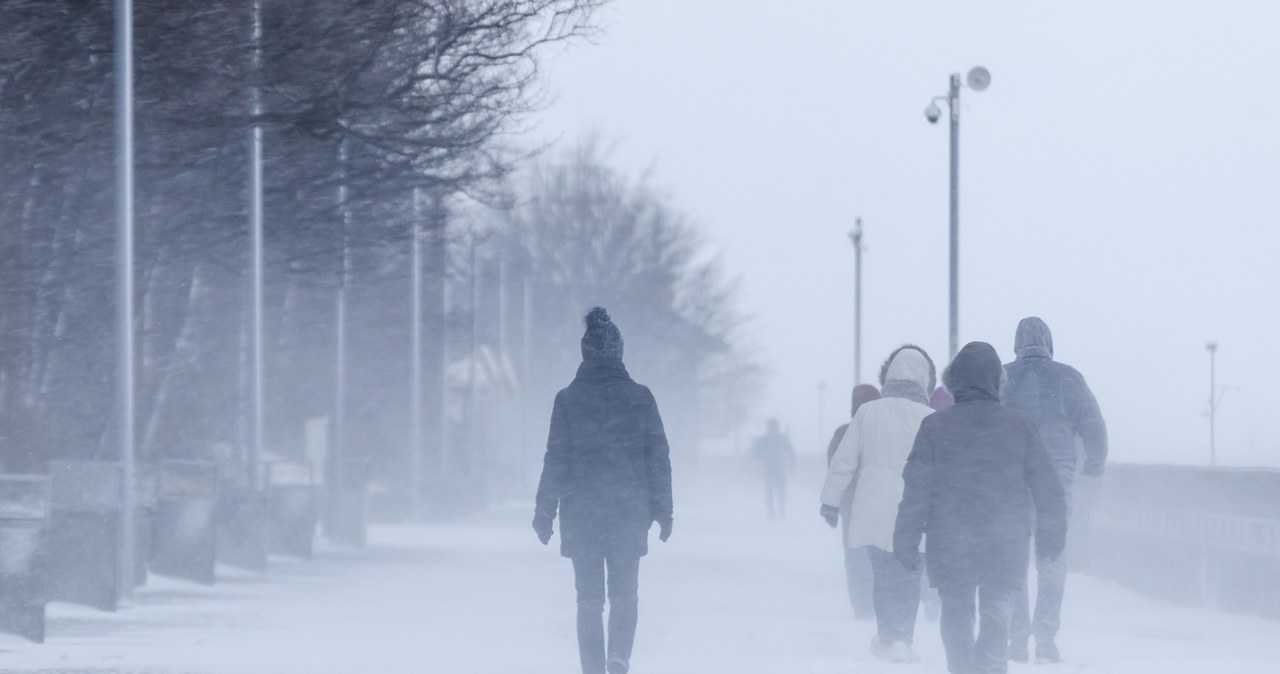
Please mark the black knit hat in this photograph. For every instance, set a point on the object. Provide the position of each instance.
(602, 338)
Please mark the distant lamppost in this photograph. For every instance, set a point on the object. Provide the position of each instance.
(822, 404)
(1213, 400)
(856, 237)
(979, 78)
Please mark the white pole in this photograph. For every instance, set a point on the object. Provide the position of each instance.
(338, 451)
(255, 220)
(124, 279)
(415, 364)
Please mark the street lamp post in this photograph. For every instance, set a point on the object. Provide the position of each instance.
(978, 78)
(1213, 400)
(125, 367)
(856, 237)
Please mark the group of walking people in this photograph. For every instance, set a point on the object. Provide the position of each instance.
(977, 470)
(974, 469)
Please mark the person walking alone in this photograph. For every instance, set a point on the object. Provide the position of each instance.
(608, 471)
(870, 458)
(774, 452)
(974, 471)
(857, 565)
(1057, 399)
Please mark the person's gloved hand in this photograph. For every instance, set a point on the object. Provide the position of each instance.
(908, 558)
(542, 527)
(1093, 469)
(664, 530)
(831, 514)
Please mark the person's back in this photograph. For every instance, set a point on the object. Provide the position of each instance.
(978, 529)
(607, 471)
(1056, 398)
(774, 451)
(972, 476)
(608, 422)
(1058, 401)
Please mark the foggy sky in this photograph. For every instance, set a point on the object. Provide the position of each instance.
(1119, 179)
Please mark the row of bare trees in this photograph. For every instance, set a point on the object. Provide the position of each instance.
(379, 118)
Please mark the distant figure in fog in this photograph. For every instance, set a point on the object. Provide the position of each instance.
(974, 471)
(1056, 398)
(608, 470)
(870, 458)
(857, 566)
(774, 452)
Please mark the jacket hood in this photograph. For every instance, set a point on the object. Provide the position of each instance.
(975, 374)
(1033, 338)
(909, 374)
(862, 393)
(907, 371)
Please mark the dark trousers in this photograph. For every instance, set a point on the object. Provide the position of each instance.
(775, 494)
(896, 594)
(1051, 585)
(857, 571)
(623, 594)
(994, 603)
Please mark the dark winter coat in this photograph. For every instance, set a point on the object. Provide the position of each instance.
(607, 466)
(1055, 396)
(970, 478)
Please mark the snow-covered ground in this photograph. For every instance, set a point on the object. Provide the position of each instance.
(729, 593)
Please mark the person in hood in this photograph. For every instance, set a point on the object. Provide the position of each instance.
(974, 471)
(870, 458)
(857, 565)
(1063, 408)
(608, 471)
(774, 452)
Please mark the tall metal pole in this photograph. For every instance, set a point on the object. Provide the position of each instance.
(124, 280)
(473, 426)
(338, 449)
(1213, 401)
(953, 100)
(415, 364)
(822, 406)
(856, 237)
(255, 226)
(526, 333)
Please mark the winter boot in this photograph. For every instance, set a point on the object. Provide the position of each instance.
(1047, 652)
(1018, 650)
(617, 665)
(901, 652)
(880, 649)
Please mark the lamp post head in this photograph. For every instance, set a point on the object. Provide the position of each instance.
(1211, 346)
(979, 78)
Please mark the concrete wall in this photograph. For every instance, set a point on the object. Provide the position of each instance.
(1200, 536)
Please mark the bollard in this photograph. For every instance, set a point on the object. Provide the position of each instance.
(185, 543)
(85, 527)
(348, 524)
(293, 508)
(242, 520)
(24, 519)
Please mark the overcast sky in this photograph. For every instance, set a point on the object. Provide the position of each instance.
(1120, 178)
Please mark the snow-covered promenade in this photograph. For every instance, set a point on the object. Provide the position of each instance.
(731, 593)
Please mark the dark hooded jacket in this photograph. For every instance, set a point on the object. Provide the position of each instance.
(972, 474)
(607, 466)
(1055, 396)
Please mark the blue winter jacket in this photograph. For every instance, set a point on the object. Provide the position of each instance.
(1057, 399)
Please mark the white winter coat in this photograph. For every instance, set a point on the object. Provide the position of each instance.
(874, 452)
